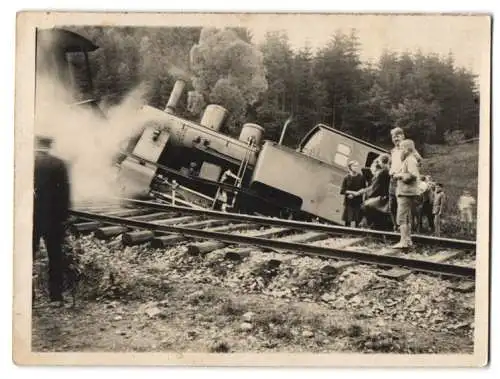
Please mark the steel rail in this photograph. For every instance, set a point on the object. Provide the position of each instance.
(362, 257)
(328, 228)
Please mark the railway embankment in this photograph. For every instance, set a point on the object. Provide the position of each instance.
(135, 298)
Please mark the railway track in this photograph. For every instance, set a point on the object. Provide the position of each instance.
(203, 231)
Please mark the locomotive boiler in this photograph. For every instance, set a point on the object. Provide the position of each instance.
(194, 154)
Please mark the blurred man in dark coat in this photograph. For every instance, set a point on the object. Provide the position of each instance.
(51, 207)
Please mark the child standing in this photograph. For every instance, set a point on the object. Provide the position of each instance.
(425, 203)
(437, 207)
(465, 204)
(353, 182)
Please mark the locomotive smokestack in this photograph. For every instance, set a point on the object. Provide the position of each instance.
(175, 95)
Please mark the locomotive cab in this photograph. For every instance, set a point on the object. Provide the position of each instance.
(309, 179)
(337, 148)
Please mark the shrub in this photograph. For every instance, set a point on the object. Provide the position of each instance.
(454, 137)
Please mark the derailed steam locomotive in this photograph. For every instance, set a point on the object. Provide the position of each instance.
(251, 174)
(209, 168)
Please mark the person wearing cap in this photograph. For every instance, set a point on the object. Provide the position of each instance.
(50, 212)
(352, 183)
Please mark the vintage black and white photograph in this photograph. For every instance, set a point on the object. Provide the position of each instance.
(213, 185)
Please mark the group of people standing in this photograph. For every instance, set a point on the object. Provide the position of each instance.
(397, 196)
(364, 198)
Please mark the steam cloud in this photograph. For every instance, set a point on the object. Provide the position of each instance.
(86, 141)
(227, 71)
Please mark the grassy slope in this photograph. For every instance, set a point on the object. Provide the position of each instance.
(457, 168)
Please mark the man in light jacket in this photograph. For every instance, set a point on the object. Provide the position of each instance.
(406, 191)
(397, 135)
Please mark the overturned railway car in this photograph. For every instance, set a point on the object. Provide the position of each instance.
(254, 175)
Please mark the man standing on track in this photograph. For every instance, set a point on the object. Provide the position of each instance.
(397, 135)
(50, 212)
(406, 191)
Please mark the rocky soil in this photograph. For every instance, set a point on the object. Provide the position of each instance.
(143, 299)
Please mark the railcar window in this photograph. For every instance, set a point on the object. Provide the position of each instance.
(344, 149)
(341, 159)
(324, 146)
(79, 75)
(342, 156)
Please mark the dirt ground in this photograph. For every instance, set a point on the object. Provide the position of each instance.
(155, 300)
(201, 318)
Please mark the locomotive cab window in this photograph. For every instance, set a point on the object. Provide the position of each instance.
(79, 73)
(344, 149)
(322, 145)
(342, 155)
(341, 159)
(337, 148)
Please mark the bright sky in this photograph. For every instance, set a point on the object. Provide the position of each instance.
(467, 37)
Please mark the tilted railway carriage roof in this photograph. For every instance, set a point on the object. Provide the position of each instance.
(68, 41)
(329, 128)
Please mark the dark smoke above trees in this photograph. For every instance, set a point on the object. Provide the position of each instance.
(425, 94)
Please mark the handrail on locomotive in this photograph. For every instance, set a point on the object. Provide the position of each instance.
(283, 131)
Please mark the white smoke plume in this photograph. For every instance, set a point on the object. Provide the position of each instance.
(87, 142)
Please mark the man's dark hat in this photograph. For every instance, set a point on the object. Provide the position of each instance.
(43, 142)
